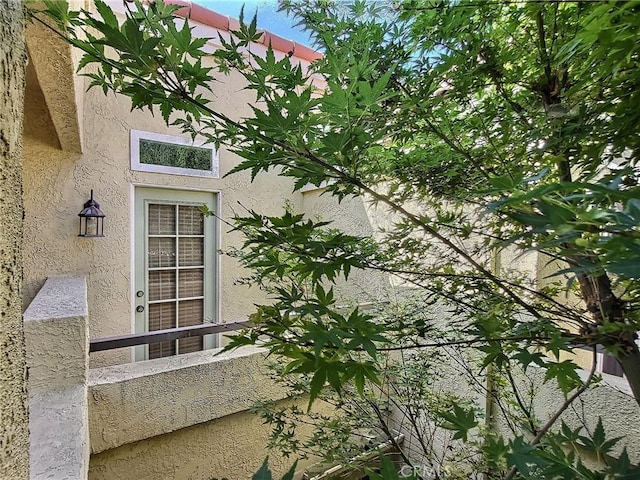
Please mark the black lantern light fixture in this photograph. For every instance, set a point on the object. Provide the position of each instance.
(91, 219)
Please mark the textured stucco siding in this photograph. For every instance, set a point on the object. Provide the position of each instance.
(183, 417)
(14, 434)
(52, 58)
(57, 357)
(618, 410)
(232, 447)
(55, 327)
(58, 183)
(133, 402)
(352, 216)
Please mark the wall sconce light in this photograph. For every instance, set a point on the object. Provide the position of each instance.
(91, 219)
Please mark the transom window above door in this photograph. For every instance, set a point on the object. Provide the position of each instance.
(159, 153)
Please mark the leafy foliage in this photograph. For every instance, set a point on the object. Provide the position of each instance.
(484, 133)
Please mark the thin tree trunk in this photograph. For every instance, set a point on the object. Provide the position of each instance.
(630, 362)
(606, 307)
(14, 423)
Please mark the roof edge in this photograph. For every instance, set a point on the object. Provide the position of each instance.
(225, 23)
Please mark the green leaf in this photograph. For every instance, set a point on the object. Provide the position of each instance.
(565, 374)
(461, 420)
(557, 212)
(504, 182)
(558, 343)
(628, 268)
(521, 455)
(264, 473)
(317, 384)
(598, 441)
(387, 471)
(291, 472)
(106, 13)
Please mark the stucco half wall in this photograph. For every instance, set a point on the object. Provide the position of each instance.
(136, 401)
(183, 417)
(232, 447)
(57, 344)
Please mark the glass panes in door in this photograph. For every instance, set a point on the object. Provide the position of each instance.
(176, 274)
(175, 265)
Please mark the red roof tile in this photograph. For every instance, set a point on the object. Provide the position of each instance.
(213, 19)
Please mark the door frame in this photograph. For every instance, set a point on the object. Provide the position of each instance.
(140, 195)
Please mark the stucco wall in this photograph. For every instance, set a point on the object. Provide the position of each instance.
(52, 58)
(232, 447)
(618, 410)
(57, 184)
(14, 434)
(46, 170)
(183, 417)
(57, 357)
(352, 216)
(136, 401)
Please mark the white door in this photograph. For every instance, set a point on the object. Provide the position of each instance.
(175, 267)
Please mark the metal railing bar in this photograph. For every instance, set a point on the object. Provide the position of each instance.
(155, 336)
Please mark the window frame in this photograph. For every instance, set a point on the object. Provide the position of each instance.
(136, 165)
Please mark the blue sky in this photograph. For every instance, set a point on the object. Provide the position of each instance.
(268, 16)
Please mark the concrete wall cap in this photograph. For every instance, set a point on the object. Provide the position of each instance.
(128, 371)
(59, 297)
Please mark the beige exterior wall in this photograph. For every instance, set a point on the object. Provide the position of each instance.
(606, 400)
(183, 417)
(63, 162)
(14, 429)
(57, 183)
(57, 357)
(232, 447)
(353, 217)
(133, 402)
